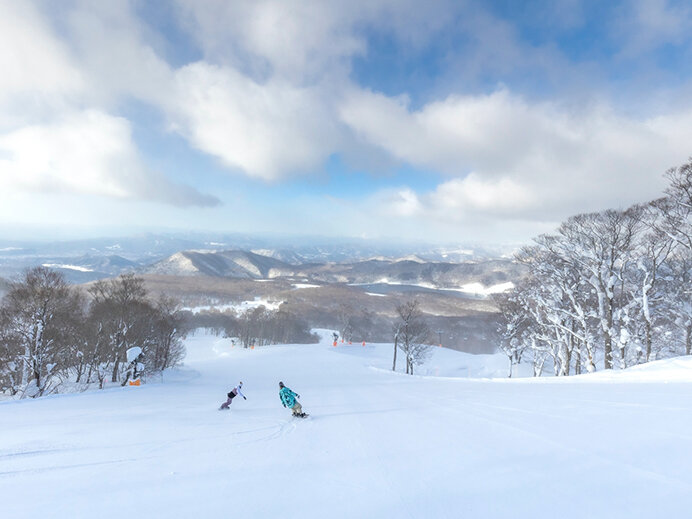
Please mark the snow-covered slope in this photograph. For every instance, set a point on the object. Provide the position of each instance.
(377, 444)
(233, 264)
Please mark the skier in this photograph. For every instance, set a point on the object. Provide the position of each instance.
(289, 399)
(234, 392)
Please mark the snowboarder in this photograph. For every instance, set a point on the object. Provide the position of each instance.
(290, 399)
(234, 392)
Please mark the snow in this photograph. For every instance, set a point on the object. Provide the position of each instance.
(133, 353)
(178, 262)
(238, 308)
(375, 295)
(304, 285)
(377, 443)
(68, 267)
(480, 289)
(475, 289)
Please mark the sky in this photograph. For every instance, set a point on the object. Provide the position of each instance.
(439, 121)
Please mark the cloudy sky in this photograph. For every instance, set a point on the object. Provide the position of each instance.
(438, 120)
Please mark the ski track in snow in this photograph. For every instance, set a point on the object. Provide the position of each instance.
(376, 444)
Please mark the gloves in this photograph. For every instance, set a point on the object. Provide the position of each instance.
(244, 398)
(284, 405)
(298, 396)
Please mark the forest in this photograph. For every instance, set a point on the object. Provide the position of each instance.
(610, 289)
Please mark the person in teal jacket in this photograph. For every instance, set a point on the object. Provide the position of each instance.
(290, 399)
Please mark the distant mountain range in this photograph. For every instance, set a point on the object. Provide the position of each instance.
(248, 265)
(87, 260)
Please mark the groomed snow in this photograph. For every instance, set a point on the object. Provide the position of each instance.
(377, 444)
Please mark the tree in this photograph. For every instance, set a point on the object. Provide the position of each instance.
(40, 314)
(412, 334)
(600, 246)
(678, 288)
(12, 365)
(345, 315)
(167, 345)
(676, 206)
(516, 325)
(617, 281)
(652, 250)
(120, 312)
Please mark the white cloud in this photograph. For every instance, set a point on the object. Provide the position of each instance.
(537, 159)
(271, 94)
(37, 74)
(400, 202)
(111, 46)
(266, 130)
(85, 152)
(31, 58)
(473, 194)
(648, 24)
(56, 132)
(305, 40)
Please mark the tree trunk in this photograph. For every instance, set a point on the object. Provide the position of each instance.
(577, 362)
(114, 376)
(37, 376)
(396, 345)
(647, 329)
(607, 339)
(568, 356)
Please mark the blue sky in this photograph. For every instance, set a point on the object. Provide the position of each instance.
(448, 121)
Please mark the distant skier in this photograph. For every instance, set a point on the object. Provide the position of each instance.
(234, 392)
(290, 399)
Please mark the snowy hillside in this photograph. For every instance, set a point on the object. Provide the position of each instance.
(478, 277)
(377, 444)
(235, 264)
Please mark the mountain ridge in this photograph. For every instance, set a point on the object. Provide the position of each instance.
(240, 264)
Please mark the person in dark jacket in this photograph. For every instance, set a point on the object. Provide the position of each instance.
(290, 399)
(234, 393)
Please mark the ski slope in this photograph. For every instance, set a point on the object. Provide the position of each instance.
(377, 444)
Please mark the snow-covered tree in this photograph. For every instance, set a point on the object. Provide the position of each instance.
(600, 246)
(40, 314)
(614, 284)
(676, 206)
